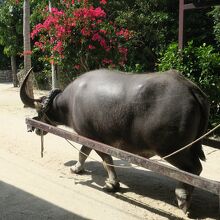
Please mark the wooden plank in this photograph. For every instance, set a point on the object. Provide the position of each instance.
(200, 182)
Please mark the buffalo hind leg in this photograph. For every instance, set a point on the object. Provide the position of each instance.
(188, 162)
(79, 166)
(112, 183)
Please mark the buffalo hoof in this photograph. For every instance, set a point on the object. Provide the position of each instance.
(183, 205)
(77, 169)
(111, 186)
(183, 200)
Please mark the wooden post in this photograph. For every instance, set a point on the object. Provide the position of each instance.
(181, 23)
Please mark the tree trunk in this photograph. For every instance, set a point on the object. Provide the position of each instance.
(27, 45)
(55, 83)
(14, 71)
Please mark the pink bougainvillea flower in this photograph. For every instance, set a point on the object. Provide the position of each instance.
(91, 47)
(125, 33)
(77, 66)
(96, 37)
(85, 28)
(102, 31)
(123, 50)
(103, 2)
(27, 52)
(85, 32)
(58, 47)
(107, 61)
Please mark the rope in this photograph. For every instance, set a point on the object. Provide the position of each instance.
(161, 159)
(42, 143)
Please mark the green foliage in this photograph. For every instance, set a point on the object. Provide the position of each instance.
(154, 24)
(201, 65)
(198, 26)
(216, 17)
(4, 61)
(137, 68)
(43, 79)
(11, 28)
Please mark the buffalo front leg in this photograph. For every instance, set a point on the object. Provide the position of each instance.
(79, 166)
(112, 182)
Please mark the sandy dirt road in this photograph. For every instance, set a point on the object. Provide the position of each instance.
(32, 187)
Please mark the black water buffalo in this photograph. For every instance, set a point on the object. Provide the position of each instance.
(146, 114)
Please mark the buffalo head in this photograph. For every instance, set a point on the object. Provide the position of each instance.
(42, 105)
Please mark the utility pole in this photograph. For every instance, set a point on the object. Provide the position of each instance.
(181, 23)
(53, 66)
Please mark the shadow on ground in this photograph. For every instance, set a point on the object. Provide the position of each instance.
(149, 184)
(20, 205)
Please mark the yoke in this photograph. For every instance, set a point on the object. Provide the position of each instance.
(174, 173)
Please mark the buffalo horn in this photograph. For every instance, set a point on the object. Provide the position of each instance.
(28, 101)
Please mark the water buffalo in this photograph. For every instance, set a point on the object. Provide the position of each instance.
(146, 114)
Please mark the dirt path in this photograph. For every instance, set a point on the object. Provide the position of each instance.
(32, 187)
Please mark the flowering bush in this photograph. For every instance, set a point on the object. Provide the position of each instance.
(78, 34)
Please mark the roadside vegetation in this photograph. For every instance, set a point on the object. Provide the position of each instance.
(130, 35)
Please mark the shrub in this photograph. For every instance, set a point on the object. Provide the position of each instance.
(215, 13)
(199, 64)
